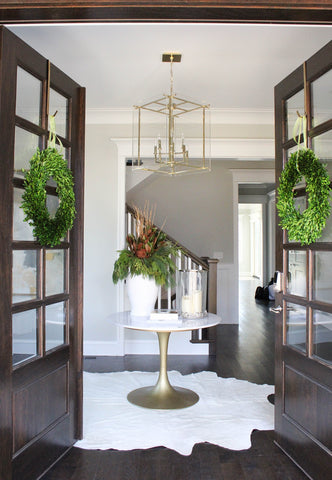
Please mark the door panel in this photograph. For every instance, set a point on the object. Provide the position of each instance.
(303, 401)
(300, 411)
(30, 421)
(43, 286)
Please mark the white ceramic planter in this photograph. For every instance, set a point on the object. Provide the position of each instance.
(142, 293)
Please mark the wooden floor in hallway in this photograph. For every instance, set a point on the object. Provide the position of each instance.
(246, 352)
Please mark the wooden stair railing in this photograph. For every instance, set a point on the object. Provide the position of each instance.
(188, 260)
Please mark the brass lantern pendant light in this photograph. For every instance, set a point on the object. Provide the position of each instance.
(171, 135)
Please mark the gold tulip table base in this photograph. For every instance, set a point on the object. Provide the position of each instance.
(172, 398)
(163, 395)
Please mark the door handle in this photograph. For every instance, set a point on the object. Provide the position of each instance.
(277, 309)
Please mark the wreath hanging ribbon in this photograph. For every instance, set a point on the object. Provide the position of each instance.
(300, 126)
(46, 164)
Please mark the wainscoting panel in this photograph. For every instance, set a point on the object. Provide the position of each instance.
(227, 293)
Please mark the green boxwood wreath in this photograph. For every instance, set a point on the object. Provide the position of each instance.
(46, 164)
(307, 226)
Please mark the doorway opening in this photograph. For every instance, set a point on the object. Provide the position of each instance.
(250, 240)
(256, 240)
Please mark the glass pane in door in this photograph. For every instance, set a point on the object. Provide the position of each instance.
(26, 144)
(321, 97)
(322, 146)
(322, 286)
(28, 96)
(59, 104)
(296, 328)
(293, 105)
(24, 275)
(322, 335)
(296, 275)
(55, 272)
(55, 324)
(52, 204)
(24, 336)
(292, 150)
(21, 229)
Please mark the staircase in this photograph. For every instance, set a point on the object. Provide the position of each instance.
(187, 261)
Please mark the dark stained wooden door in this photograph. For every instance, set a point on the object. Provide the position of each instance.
(41, 288)
(304, 327)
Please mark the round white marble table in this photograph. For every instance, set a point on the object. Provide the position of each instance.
(163, 395)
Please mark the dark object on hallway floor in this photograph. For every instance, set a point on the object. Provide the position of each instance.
(262, 293)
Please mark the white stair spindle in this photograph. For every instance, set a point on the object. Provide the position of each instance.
(169, 299)
(178, 262)
(159, 298)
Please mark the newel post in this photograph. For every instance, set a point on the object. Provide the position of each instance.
(210, 334)
(212, 285)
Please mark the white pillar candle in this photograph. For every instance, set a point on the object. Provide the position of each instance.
(186, 304)
(197, 301)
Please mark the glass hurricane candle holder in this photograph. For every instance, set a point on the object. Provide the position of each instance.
(191, 293)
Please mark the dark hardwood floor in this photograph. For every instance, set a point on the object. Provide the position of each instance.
(244, 352)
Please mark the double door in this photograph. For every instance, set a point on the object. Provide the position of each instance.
(303, 405)
(41, 287)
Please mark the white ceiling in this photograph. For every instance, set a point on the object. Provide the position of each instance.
(228, 66)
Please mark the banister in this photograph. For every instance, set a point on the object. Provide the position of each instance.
(198, 260)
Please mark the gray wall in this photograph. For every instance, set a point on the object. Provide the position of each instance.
(198, 208)
(100, 236)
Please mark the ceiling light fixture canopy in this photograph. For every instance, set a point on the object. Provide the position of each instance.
(170, 123)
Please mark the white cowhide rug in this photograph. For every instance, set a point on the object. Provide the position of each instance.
(226, 413)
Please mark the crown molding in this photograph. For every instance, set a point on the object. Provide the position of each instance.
(230, 116)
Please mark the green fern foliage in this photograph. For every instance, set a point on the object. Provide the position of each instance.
(160, 265)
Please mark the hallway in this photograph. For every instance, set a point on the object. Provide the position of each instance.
(244, 352)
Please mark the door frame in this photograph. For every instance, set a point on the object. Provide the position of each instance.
(31, 11)
(16, 11)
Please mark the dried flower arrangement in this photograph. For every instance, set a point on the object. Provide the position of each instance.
(148, 253)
